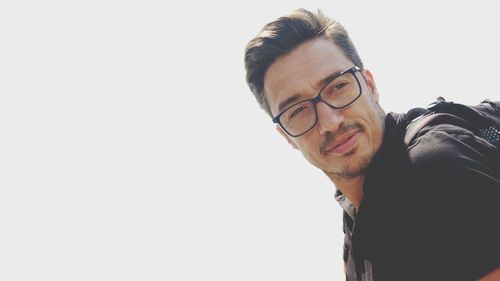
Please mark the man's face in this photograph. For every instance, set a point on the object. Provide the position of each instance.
(343, 142)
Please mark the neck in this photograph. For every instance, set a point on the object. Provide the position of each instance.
(351, 188)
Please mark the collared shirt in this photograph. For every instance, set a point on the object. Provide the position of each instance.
(365, 273)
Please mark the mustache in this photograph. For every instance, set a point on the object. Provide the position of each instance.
(331, 137)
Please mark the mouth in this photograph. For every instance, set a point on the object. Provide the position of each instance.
(343, 143)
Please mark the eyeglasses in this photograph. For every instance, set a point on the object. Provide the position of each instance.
(339, 92)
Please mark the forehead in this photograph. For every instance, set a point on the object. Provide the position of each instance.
(299, 72)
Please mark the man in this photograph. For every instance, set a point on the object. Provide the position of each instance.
(429, 210)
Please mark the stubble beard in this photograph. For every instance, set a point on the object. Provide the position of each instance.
(349, 172)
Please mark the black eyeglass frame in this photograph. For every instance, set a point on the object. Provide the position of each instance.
(318, 98)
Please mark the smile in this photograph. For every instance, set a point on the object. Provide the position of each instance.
(344, 144)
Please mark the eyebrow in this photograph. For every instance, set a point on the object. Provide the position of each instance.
(328, 78)
(284, 104)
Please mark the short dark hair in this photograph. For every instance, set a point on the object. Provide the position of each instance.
(281, 36)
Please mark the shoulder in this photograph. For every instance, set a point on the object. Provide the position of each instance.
(443, 203)
(446, 158)
(437, 143)
(453, 192)
(445, 145)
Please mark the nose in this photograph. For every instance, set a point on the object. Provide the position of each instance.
(329, 119)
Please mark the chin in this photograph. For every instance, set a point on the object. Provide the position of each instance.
(353, 168)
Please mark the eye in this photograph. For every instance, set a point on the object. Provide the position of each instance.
(337, 89)
(340, 85)
(299, 112)
(296, 111)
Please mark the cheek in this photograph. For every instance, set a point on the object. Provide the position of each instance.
(304, 148)
(309, 148)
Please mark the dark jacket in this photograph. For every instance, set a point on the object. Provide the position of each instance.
(431, 210)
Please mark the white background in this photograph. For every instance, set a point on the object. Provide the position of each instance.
(132, 149)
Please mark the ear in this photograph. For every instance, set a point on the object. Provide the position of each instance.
(287, 137)
(370, 82)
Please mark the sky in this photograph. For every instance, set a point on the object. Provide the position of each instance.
(132, 149)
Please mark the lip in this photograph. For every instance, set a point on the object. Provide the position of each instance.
(344, 143)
